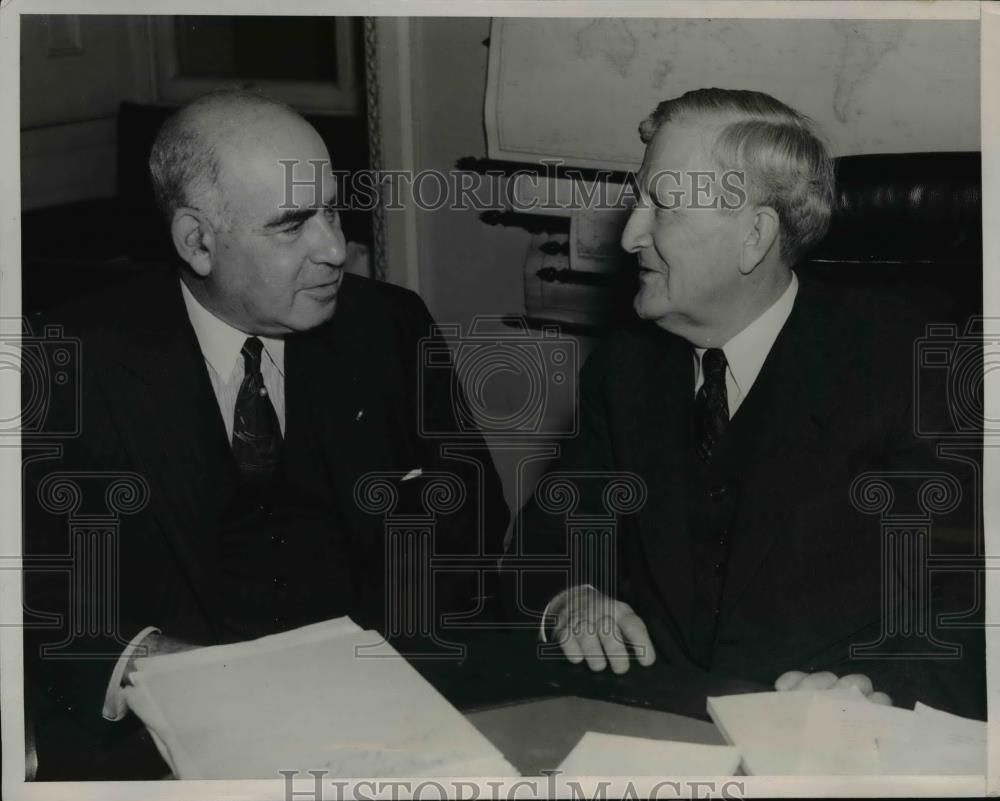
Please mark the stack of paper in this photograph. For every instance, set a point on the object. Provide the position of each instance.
(615, 755)
(324, 697)
(839, 732)
(938, 744)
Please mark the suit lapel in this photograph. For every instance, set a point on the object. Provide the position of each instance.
(661, 440)
(335, 400)
(160, 394)
(789, 406)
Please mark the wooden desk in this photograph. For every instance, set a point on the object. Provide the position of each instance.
(536, 736)
(502, 668)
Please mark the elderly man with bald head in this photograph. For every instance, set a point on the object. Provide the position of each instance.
(245, 390)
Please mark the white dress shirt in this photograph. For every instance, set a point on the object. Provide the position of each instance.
(745, 355)
(746, 352)
(220, 345)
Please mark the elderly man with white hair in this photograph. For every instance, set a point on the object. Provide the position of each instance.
(748, 398)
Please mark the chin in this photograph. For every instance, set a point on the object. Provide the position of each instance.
(307, 319)
(650, 308)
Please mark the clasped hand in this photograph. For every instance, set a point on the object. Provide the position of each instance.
(825, 680)
(595, 628)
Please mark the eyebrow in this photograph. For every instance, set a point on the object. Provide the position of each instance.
(289, 217)
(296, 216)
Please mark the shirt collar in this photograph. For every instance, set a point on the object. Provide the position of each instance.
(221, 344)
(746, 352)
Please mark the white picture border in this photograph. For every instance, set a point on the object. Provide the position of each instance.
(11, 668)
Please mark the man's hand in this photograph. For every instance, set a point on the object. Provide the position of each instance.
(593, 627)
(825, 680)
(155, 644)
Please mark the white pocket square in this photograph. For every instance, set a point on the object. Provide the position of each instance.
(415, 473)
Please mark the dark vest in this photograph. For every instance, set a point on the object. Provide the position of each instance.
(285, 556)
(714, 491)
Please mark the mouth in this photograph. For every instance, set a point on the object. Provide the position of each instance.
(324, 292)
(325, 289)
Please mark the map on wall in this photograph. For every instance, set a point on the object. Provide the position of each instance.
(576, 89)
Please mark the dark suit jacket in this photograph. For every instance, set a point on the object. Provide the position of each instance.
(833, 400)
(352, 388)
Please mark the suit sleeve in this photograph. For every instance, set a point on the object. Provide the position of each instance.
(447, 441)
(541, 533)
(69, 655)
(916, 666)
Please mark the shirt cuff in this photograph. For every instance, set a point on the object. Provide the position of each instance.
(545, 612)
(115, 707)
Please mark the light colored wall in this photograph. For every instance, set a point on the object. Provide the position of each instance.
(467, 268)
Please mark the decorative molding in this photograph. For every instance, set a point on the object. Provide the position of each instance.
(389, 66)
(141, 49)
(373, 110)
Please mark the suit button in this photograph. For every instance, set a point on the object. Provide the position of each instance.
(717, 493)
(265, 509)
(716, 611)
(279, 583)
(722, 537)
(277, 539)
(720, 568)
(280, 622)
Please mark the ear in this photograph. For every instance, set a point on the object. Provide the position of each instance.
(194, 239)
(763, 235)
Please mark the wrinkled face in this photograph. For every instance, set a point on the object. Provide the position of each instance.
(688, 257)
(276, 266)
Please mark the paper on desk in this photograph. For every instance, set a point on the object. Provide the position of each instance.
(324, 630)
(600, 754)
(938, 743)
(305, 700)
(823, 733)
(768, 728)
(841, 735)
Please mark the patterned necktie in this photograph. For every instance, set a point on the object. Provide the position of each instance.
(711, 404)
(256, 432)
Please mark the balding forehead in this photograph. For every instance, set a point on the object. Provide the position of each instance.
(263, 168)
(230, 122)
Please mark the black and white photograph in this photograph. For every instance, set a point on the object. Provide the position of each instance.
(498, 401)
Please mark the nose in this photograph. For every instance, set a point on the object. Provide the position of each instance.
(330, 246)
(637, 230)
